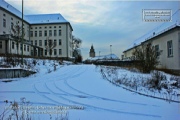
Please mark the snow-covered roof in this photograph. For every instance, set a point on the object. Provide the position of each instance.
(11, 9)
(46, 18)
(151, 35)
(34, 19)
(104, 57)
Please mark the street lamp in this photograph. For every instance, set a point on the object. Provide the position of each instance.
(99, 53)
(22, 35)
(111, 51)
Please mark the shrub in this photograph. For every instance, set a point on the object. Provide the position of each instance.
(156, 80)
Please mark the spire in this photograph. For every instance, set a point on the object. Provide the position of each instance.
(92, 51)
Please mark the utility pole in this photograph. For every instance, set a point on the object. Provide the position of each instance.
(111, 51)
(22, 36)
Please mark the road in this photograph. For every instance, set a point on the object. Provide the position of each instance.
(83, 86)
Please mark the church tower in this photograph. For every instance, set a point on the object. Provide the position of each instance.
(92, 52)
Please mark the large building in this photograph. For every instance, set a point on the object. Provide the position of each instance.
(167, 42)
(48, 35)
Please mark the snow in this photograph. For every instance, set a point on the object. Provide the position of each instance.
(11, 9)
(83, 86)
(45, 18)
(152, 34)
(104, 57)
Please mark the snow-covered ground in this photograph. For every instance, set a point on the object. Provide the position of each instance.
(83, 87)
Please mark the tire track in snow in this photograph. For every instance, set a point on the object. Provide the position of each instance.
(71, 73)
(94, 107)
(44, 96)
(17, 92)
(107, 99)
(91, 107)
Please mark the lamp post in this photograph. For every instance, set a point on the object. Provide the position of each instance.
(22, 36)
(99, 53)
(111, 51)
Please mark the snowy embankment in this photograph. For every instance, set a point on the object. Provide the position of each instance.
(80, 91)
(157, 84)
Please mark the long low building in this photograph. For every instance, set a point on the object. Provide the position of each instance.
(167, 42)
(48, 35)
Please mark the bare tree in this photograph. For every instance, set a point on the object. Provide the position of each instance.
(76, 43)
(16, 34)
(50, 45)
(147, 55)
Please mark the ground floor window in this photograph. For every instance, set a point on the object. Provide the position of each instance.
(45, 52)
(170, 48)
(60, 52)
(55, 52)
(12, 45)
(0, 44)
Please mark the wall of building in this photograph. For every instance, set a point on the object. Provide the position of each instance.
(62, 50)
(62, 39)
(165, 60)
(12, 20)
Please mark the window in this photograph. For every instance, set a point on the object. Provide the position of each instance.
(50, 32)
(45, 43)
(170, 48)
(12, 45)
(17, 46)
(157, 50)
(4, 22)
(39, 27)
(54, 26)
(0, 44)
(12, 24)
(32, 42)
(35, 27)
(28, 48)
(4, 32)
(36, 42)
(55, 33)
(45, 33)
(24, 47)
(59, 26)
(35, 33)
(4, 15)
(31, 33)
(11, 18)
(69, 35)
(27, 33)
(60, 52)
(40, 42)
(55, 52)
(21, 47)
(60, 43)
(49, 26)
(55, 42)
(45, 52)
(40, 33)
(45, 27)
(59, 32)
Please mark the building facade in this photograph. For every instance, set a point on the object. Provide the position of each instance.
(168, 43)
(48, 35)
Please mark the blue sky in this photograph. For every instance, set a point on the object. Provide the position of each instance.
(103, 22)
